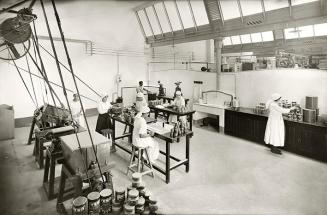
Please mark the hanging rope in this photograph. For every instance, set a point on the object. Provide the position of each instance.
(29, 71)
(36, 42)
(74, 79)
(65, 92)
(21, 77)
(71, 72)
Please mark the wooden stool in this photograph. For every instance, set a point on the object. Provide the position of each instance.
(109, 134)
(140, 161)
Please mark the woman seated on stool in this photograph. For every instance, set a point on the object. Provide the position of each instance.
(141, 138)
(178, 102)
(103, 121)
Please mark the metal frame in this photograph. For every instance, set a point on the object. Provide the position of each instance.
(148, 20)
(221, 13)
(290, 6)
(240, 10)
(157, 18)
(192, 14)
(140, 23)
(263, 9)
(169, 22)
(179, 16)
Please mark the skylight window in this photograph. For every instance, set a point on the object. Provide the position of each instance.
(200, 13)
(275, 4)
(144, 23)
(297, 2)
(256, 37)
(236, 40)
(227, 41)
(185, 13)
(173, 16)
(246, 38)
(251, 7)
(306, 31)
(230, 9)
(320, 29)
(153, 20)
(162, 17)
(267, 36)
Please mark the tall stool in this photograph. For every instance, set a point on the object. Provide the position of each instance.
(140, 161)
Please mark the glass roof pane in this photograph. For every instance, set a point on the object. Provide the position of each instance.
(251, 7)
(297, 2)
(275, 4)
(236, 40)
(267, 36)
(320, 29)
(230, 9)
(245, 38)
(144, 22)
(199, 11)
(256, 38)
(162, 17)
(306, 31)
(291, 33)
(227, 41)
(153, 20)
(173, 16)
(185, 13)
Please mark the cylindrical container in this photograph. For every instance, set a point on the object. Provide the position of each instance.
(117, 207)
(94, 203)
(311, 102)
(129, 189)
(139, 208)
(79, 206)
(120, 194)
(129, 209)
(146, 197)
(105, 201)
(309, 115)
(133, 197)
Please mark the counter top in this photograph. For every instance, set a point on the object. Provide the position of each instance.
(320, 123)
(211, 105)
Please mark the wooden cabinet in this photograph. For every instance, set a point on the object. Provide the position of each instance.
(305, 139)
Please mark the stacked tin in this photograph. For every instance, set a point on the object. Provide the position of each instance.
(79, 206)
(94, 203)
(106, 201)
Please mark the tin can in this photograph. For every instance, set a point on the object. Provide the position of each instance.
(129, 209)
(120, 194)
(106, 201)
(79, 206)
(139, 208)
(94, 203)
(136, 177)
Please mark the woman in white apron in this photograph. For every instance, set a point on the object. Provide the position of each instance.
(275, 129)
(141, 138)
(77, 112)
(140, 101)
(103, 121)
(179, 102)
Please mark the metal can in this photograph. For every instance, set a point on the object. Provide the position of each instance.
(79, 206)
(120, 194)
(94, 203)
(106, 201)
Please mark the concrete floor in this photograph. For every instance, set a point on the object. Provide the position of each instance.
(227, 176)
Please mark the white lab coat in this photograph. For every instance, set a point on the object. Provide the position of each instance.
(275, 129)
(179, 102)
(140, 127)
(77, 113)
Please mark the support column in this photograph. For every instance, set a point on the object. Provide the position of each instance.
(218, 44)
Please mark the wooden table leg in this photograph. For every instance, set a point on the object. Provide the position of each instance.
(188, 153)
(60, 198)
(191, 121)
(167, 162)
(46, 168)
(130, 130)
(30, 136)
(40, 151)
(52, 176)
(113, 146)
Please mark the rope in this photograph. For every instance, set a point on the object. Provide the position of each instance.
(71, 72)
(29, 71)
(21, 77)
(74, 79)
(36, 42)
(64, 89)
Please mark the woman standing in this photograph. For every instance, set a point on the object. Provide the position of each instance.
(275, 129)
(178, 102)
(77, 112)
(103, 121)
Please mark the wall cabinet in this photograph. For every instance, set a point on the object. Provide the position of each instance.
(305, 139)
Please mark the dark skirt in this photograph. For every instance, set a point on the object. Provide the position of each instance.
(103, 122)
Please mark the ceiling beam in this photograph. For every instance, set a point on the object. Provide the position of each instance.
(179, 16)
(169, 22)
(140, 24)
(158, 21)
(192, 14)
(148, 20)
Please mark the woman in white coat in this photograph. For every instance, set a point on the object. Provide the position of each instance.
(77, 112)
(103, 121)
(275, 129)
(141, 138)
(179, 102)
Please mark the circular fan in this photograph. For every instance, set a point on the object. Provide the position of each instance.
(15, 31)
(11, 51)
